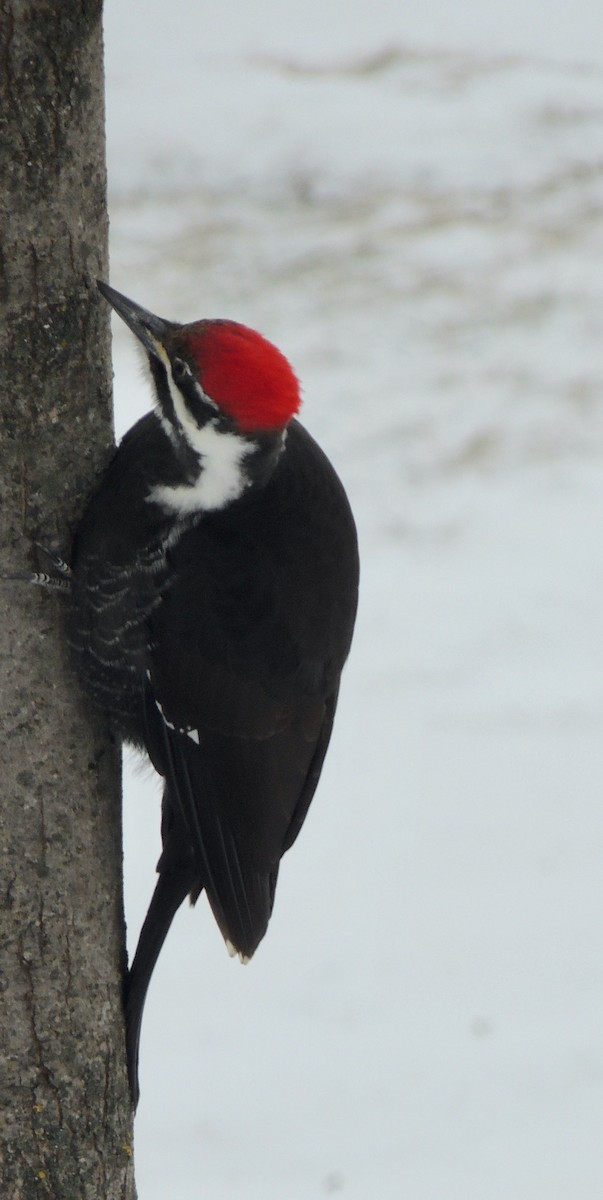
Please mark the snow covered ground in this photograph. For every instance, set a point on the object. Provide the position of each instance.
(408, 199)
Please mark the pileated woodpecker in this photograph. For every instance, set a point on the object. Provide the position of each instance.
(214, 590)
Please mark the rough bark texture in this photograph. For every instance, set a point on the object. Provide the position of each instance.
(65, 1115)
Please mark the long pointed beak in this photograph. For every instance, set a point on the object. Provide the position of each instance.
(149, 329)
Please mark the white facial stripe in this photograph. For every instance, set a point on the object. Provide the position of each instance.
(221, 478)
(204, 397)
(188, 426)
(161, 353)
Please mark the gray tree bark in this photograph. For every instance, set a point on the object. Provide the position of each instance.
(65, 1114)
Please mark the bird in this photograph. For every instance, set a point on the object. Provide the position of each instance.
(213, 594)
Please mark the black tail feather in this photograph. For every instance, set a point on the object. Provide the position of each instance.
(171, 889)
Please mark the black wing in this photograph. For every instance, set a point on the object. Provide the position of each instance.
(232, 806)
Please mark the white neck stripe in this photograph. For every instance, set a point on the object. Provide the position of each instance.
(221, 478)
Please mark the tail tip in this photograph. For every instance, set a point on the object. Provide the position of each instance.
(233, 952)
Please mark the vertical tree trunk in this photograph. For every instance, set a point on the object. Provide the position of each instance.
(65, 1115)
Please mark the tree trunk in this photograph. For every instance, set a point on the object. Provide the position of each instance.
(65, 1114)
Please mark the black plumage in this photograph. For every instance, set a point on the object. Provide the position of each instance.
(215, 640)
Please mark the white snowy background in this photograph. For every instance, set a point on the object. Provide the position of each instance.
(408, 199)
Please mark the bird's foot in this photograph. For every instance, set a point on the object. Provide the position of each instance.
(58, 579)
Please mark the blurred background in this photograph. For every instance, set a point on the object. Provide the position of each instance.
(408, 200)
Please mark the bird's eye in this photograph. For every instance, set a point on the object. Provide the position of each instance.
(180, 370)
